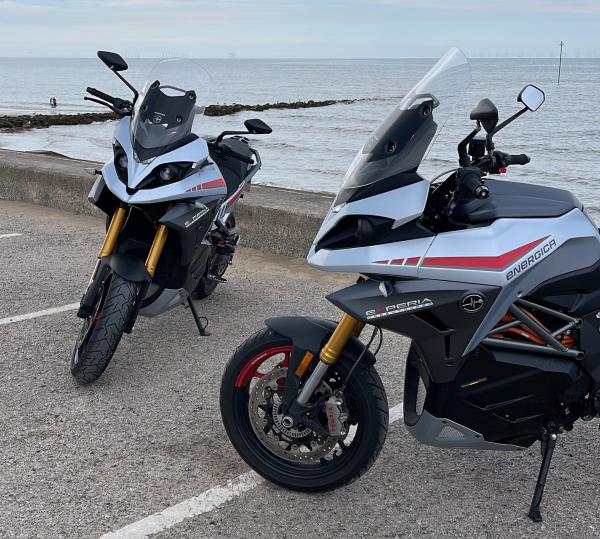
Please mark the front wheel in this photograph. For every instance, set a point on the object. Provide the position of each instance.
(300, 458)
(103, 330)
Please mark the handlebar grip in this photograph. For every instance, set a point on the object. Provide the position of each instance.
(472, 184)
(237, 155)
(100, 95)
(521, 159)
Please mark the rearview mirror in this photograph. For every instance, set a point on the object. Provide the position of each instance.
(487, 113)
(257, 127)
(113, 61)
(532, 97)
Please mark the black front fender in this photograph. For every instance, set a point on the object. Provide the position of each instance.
(127, 266)
(310, 334)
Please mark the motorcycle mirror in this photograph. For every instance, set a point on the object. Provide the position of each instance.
(532, 97)
(487, 113)
(257, 127)
(113, 61)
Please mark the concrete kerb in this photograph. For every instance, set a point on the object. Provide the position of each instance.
(272, 220)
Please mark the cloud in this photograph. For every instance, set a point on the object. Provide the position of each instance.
(21, 7)
(507, 6)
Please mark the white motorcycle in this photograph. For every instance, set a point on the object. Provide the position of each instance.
(169, 197)
(496, 284)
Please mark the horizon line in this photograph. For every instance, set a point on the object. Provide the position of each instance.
(133, 57)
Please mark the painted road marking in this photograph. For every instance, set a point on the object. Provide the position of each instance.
(9, 235)
(204, 503)
(45, 312)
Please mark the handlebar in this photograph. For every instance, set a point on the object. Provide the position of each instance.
(228, 151)
(504, 159)
(119, 106)
(521, 159)
(470, 185)
(100, 95)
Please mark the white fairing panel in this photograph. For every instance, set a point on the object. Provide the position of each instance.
(502, 252)
(402, 205)
(207, 181)
(492, 255)
(373, 258)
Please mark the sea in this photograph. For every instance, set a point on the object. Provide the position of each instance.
(310, 149)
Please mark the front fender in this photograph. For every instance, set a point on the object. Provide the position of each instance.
(127, 266)
(310, 335)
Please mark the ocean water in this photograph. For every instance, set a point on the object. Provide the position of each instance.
(310, 149)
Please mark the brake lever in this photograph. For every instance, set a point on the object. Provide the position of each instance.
(118, 112)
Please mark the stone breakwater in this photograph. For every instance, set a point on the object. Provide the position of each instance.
(33, 121)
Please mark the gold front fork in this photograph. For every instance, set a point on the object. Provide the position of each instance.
(157, 248)
(112, 234)
(329, 354)
(346, 328)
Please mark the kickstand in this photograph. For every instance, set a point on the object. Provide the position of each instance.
(548, 445)
(201, 328)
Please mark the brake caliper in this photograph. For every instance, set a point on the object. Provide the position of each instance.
(337, 415)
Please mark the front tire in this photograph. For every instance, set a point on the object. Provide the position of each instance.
(103, 330)
(322, 464)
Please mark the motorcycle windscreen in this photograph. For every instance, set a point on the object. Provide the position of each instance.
(175, 92)
(398, 145)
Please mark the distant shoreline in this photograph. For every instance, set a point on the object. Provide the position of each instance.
(34, 121)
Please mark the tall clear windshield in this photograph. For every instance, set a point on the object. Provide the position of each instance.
(175, 91)
(399, 144)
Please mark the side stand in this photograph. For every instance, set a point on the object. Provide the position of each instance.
(201, 328)
(549, 442)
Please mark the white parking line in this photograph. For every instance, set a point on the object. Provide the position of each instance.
(9, 235)
(203, 503)
(45, 312)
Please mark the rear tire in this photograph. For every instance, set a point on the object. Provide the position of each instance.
(102, 332)
(364, 394)
(207, 286)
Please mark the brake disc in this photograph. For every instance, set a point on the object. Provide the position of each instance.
(298, 443)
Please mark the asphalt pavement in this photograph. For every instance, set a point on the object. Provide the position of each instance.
(85, 461)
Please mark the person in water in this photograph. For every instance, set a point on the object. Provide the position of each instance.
(53, 102)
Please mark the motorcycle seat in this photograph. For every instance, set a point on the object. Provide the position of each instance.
(233, 170)
(515, 200)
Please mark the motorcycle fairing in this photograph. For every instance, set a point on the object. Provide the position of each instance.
(414, 197)
(207, 180)
(427, 311)
(490, 403)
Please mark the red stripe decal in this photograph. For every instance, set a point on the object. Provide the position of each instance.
(397, 261)
(381, 262)
(214, 183)
(413, 261)
(482, 262)
(234, 198)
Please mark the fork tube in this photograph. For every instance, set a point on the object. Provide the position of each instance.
(112, 234)
(156, 250)
(330, 353)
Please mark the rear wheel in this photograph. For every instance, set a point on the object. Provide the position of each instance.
(103, 330)
(300, 458)
(209, 281)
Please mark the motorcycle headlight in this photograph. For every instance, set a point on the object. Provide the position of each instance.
(121, 161)
(169, 173)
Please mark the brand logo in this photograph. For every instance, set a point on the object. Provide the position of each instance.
(472, 302)
(533, 258)
(158, 117)
(398, 308)
(191, 221)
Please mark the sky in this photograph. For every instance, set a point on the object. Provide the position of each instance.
(299, 28)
